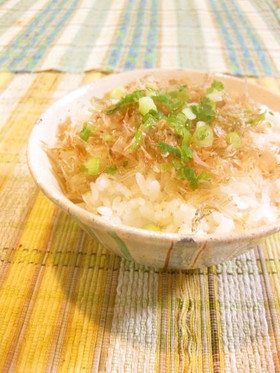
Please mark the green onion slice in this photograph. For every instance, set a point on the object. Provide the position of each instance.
(232, 138)
(203, 136)
(93, 166)
(111, 169)
(85, 132)
(146, 104)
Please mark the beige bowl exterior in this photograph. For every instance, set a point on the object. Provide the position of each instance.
(162, 250)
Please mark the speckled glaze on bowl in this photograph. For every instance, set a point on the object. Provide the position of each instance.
(162, 250)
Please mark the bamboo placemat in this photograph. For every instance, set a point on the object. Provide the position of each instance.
(240, 37)
(69, 305)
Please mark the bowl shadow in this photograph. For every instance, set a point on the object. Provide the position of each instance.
(148, 312)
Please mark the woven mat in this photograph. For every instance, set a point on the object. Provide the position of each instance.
(69, 305)
(240, 37)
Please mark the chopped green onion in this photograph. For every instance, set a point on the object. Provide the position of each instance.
(215, 86)
(215, 96)
(181, 118)
(146, 104)
(166, 148)
(205, 175)
(189, 174)
(111, 169)
(173, 100)
(85, 132)
(137, 140)
(203, 136)
(165, 167)
(232, 138)
(151, 91)
(163, 99)
(128, 99)
(187, 137)
(215, 92)
(176, 165)
(83, 168)
(93, 166)
(125, 163)
(107, 137)
(186, 153)
(189, 113)
(257, 119)
(152, 227)
(206, 110)
(117, 93)
(179, 97)
(180, 122)
(150, 119)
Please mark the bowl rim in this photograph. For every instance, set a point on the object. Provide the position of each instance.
(90, 218)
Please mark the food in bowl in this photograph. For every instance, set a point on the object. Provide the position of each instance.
(171, 155)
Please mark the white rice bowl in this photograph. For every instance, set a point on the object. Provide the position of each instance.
(116, 210)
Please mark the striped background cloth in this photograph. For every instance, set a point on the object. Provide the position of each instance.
(240, 37)
(68, 305)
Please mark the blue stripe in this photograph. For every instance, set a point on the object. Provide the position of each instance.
(14, 14)
(3, 2)
(275, 10)
(36, 31)
(234, 63)
(22, 42)
(247, 57)
(260, 51)
(51, 36)
(271, 16)
(119, 43)
(86, 37)
(133, 52)
(152, 38)
(191, 51)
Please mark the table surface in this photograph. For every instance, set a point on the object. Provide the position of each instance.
(66, 303)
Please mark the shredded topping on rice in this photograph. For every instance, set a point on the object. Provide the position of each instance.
(173, 157)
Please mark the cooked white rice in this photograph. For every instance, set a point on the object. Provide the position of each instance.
(150, 200)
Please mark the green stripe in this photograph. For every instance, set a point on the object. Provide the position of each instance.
(28, 48)
(132, 56)
(191, 47)
(12, 15)
(121, 245)
(121, 37)
(86, 37)
(270, 15)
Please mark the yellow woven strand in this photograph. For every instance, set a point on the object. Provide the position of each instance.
(20, 276)
(74, 336)
(218, 315)
(93, 309)
(271, 248)
(32, 104)
(206, 308)
(35, 232)
(50, 298)
(197, 355)
(5, 78)
(91, 76)
(111, 301)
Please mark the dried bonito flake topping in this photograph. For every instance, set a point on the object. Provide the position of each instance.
(189, 139)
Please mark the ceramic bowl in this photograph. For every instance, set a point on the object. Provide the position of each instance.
(157, 249)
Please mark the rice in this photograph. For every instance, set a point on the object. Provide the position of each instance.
(141, 186)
